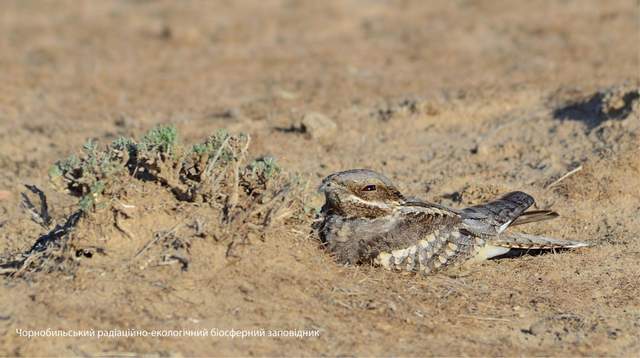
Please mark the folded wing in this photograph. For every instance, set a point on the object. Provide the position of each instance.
(494, 217)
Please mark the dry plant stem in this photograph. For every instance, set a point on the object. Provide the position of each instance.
(272, 208)
(485, 318)
(249, 211)
(156, 238)
(26, 263)
(167, 174)
(6, 271)
(119, 225)
(209, 169)
(40, 217)
(570, 173)
(212, 163)
(232, 200)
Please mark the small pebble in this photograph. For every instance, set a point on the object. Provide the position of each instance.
(318, 126)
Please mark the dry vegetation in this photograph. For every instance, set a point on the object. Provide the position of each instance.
(160, 220)
(235, 199)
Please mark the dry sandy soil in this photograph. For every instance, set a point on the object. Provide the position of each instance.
(456, 101)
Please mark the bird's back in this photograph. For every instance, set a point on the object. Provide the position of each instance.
(437, 240)
(417, 237)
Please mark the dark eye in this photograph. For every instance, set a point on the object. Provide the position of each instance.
(369, 188)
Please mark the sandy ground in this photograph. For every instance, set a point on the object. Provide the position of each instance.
(457, 101)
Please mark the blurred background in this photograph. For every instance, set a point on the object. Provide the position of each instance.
(77, 69)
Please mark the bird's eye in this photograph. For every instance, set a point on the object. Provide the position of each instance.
(369, 188)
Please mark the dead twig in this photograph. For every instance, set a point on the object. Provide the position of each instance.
(232, 200)
(39, 216)
(27, 262)
(118, 225)
(173, 259)
(58, 232)
(9, 268)
(570, 173)
(158, 236)
(212, 163)
(266, 206)
(482, 318)
(340, 303)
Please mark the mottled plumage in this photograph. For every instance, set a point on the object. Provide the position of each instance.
(366, 219)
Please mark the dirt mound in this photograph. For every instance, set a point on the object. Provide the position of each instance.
(145, 203)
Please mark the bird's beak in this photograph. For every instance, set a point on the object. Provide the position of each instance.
(326, 184)
(323, 187)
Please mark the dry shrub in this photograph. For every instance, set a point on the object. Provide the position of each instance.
(237, 199)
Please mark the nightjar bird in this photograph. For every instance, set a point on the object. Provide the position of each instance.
(366, 219)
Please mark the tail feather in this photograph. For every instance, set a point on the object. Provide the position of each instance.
(533, 242)
(494, 217)
(534, 216)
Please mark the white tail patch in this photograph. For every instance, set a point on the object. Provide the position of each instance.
(504, 226)
(490, 251)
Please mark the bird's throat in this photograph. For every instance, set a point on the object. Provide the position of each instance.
(357, 207)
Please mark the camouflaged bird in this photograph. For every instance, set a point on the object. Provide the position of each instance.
(367, 220)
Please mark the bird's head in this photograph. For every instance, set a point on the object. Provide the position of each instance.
(360, 193)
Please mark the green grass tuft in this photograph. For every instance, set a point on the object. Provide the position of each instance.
(88, 201)
(265, 167)
(162, 139)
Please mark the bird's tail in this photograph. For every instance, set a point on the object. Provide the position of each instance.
(514, 240)
(495, 217)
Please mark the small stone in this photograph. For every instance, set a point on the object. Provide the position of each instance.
(180, 33)
(244, 288)
(482, 149)
(318, 126)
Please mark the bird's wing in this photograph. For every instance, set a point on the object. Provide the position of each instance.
(437, 240)
(418, 204)
(494, 217)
